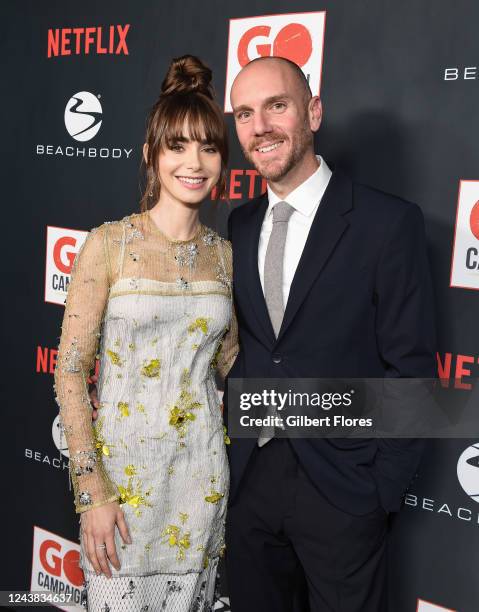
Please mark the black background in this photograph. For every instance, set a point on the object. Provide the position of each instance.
(390, 120)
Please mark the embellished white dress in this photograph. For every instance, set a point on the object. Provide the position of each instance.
(159, 313)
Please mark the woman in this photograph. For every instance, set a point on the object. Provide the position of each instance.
(157, 285)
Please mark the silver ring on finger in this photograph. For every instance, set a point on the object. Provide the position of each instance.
(102, 546)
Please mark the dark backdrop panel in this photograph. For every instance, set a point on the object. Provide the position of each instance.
(390, 119)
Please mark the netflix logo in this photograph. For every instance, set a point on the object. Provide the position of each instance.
(455, 370)
(241, 184)
(98, 40)
(46, 361)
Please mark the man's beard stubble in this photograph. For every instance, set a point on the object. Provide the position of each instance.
(301, 142)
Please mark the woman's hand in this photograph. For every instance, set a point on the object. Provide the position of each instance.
(98, 527)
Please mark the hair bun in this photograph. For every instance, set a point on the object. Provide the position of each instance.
(188, 74)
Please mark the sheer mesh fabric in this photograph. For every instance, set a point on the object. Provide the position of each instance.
(155, 593)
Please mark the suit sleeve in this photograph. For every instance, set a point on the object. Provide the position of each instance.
(405, 330)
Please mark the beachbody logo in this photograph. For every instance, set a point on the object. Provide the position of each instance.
(465, 254)
(59, 437)
(83, 118)
(62, 246)
(298, 37)
(83, 114)
(468, 471)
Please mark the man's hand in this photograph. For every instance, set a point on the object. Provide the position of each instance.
(93, 394)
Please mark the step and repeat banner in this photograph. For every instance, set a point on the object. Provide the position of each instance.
(399, 83)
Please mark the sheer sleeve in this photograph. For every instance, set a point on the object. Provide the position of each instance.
(230, 345)
(86, 300)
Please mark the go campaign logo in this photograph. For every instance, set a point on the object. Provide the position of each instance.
(465, 253)
(56, 569)
(428, 606)
(298, 37)
(62, 247)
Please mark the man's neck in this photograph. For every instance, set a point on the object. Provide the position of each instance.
(300, 173)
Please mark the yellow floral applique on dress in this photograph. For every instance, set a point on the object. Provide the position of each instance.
(175, 536)
(181, 413)
(132, 494)
(151, 369)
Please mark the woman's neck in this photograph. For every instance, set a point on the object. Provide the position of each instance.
(175, 219)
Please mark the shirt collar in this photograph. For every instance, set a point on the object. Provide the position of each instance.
(306, 196)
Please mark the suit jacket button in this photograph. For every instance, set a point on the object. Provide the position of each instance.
(277, 358)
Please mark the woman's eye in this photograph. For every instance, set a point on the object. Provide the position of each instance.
(211, 150)
(176, 147)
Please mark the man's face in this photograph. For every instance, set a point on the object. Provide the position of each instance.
(271, 117)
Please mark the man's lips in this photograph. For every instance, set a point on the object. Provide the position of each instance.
(268, 147)
(192, 182)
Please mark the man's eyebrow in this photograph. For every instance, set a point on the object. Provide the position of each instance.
(270, 100)
(277, 98)
(242, 107)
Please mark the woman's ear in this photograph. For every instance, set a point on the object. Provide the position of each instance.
(145, 152)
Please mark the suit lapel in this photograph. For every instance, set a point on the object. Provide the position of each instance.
(327, 228)
(255, 290)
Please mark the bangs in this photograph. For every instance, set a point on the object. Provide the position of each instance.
(192, 117)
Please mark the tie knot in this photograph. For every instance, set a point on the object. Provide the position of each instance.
(282, 211)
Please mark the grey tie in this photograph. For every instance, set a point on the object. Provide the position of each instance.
(273, 264)
(273, 284)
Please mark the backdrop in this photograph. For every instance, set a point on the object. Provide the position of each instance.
(399, 87)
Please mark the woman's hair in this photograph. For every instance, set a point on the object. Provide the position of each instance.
(186, 96)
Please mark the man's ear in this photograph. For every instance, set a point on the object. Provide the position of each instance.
(145, 152)
(315, 113)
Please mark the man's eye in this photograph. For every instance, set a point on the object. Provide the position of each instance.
(278, 106)
(243, 116)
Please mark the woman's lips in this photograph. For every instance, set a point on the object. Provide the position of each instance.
(191, 182)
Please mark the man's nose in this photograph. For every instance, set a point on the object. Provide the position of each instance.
(261, 124)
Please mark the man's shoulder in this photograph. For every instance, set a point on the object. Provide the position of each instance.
(380, 204)
(245, 210)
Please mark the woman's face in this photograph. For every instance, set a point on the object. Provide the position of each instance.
(188, 170)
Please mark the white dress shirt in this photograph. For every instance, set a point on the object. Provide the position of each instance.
(305, 200)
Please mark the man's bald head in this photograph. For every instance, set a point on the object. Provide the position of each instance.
(286, 64)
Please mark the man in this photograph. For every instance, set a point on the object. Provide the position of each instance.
(330, 280)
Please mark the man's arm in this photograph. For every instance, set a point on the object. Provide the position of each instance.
(406, 335)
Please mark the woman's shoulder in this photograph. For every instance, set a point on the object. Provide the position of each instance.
(126, 228)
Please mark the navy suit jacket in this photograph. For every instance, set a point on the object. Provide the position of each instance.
(360, 305)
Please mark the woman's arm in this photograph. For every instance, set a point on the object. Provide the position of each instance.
(230, 345)
(85, 304)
